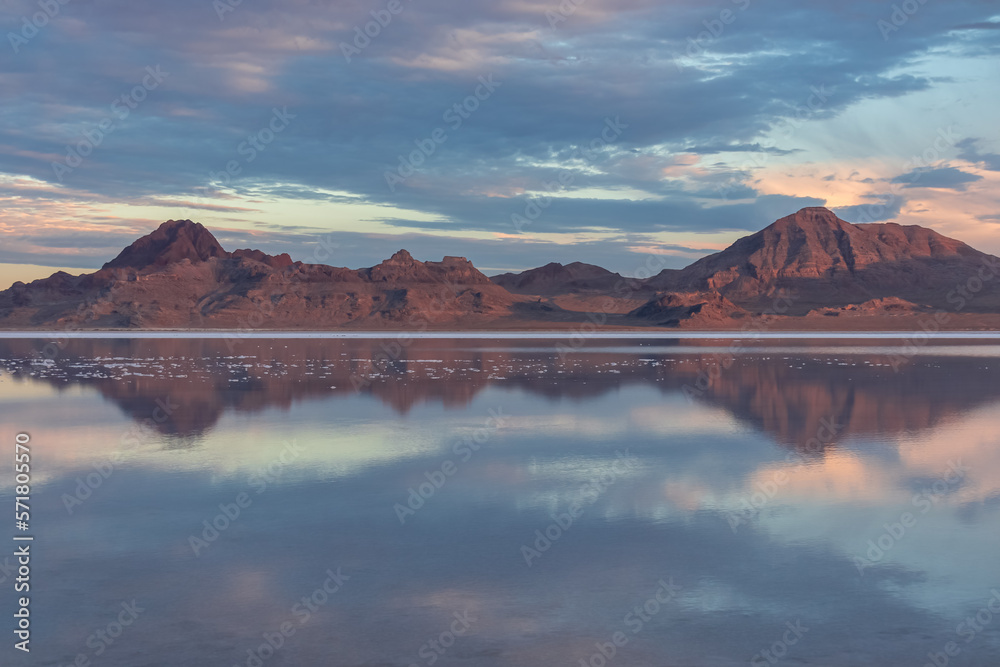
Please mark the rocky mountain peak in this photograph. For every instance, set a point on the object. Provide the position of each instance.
(814, 216)
(173, 241)
(400, 257)
(813, 223)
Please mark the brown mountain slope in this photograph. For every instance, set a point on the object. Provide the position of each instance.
(555, 278)
(701, 310)
(173, 241)
(821, 260)
(179, 276)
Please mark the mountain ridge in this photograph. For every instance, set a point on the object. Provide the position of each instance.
(557, 277)
(171, 242)
(826, 261)
(180, 276)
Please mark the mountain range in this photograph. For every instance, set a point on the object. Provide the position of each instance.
(810, 270)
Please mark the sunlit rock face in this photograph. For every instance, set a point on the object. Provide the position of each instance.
(179, 276)
(815, 264)
(820, 259)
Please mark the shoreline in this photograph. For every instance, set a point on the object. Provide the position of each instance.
(498, 334)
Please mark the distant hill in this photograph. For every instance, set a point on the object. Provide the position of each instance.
(554, 278)
(835, 275)
(180, 277)
(823, 261)
(173, 241)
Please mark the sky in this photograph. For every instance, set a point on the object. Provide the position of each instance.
(510, 132)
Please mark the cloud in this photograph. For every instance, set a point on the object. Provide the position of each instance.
(970, 153)
(740, 148)
(946, 178)
(701, 109)
(883, 207)
(982, 25)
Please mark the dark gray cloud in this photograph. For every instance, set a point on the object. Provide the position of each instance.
(880, 208)
(947, 178)
(971, 153)
(740, 148)
(679, 85)
(982, 25)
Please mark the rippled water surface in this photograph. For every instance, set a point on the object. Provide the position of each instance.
(648, 502)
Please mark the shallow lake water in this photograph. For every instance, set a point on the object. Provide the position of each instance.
(485, 501)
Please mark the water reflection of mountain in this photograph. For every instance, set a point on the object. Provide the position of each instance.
(782, 393)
